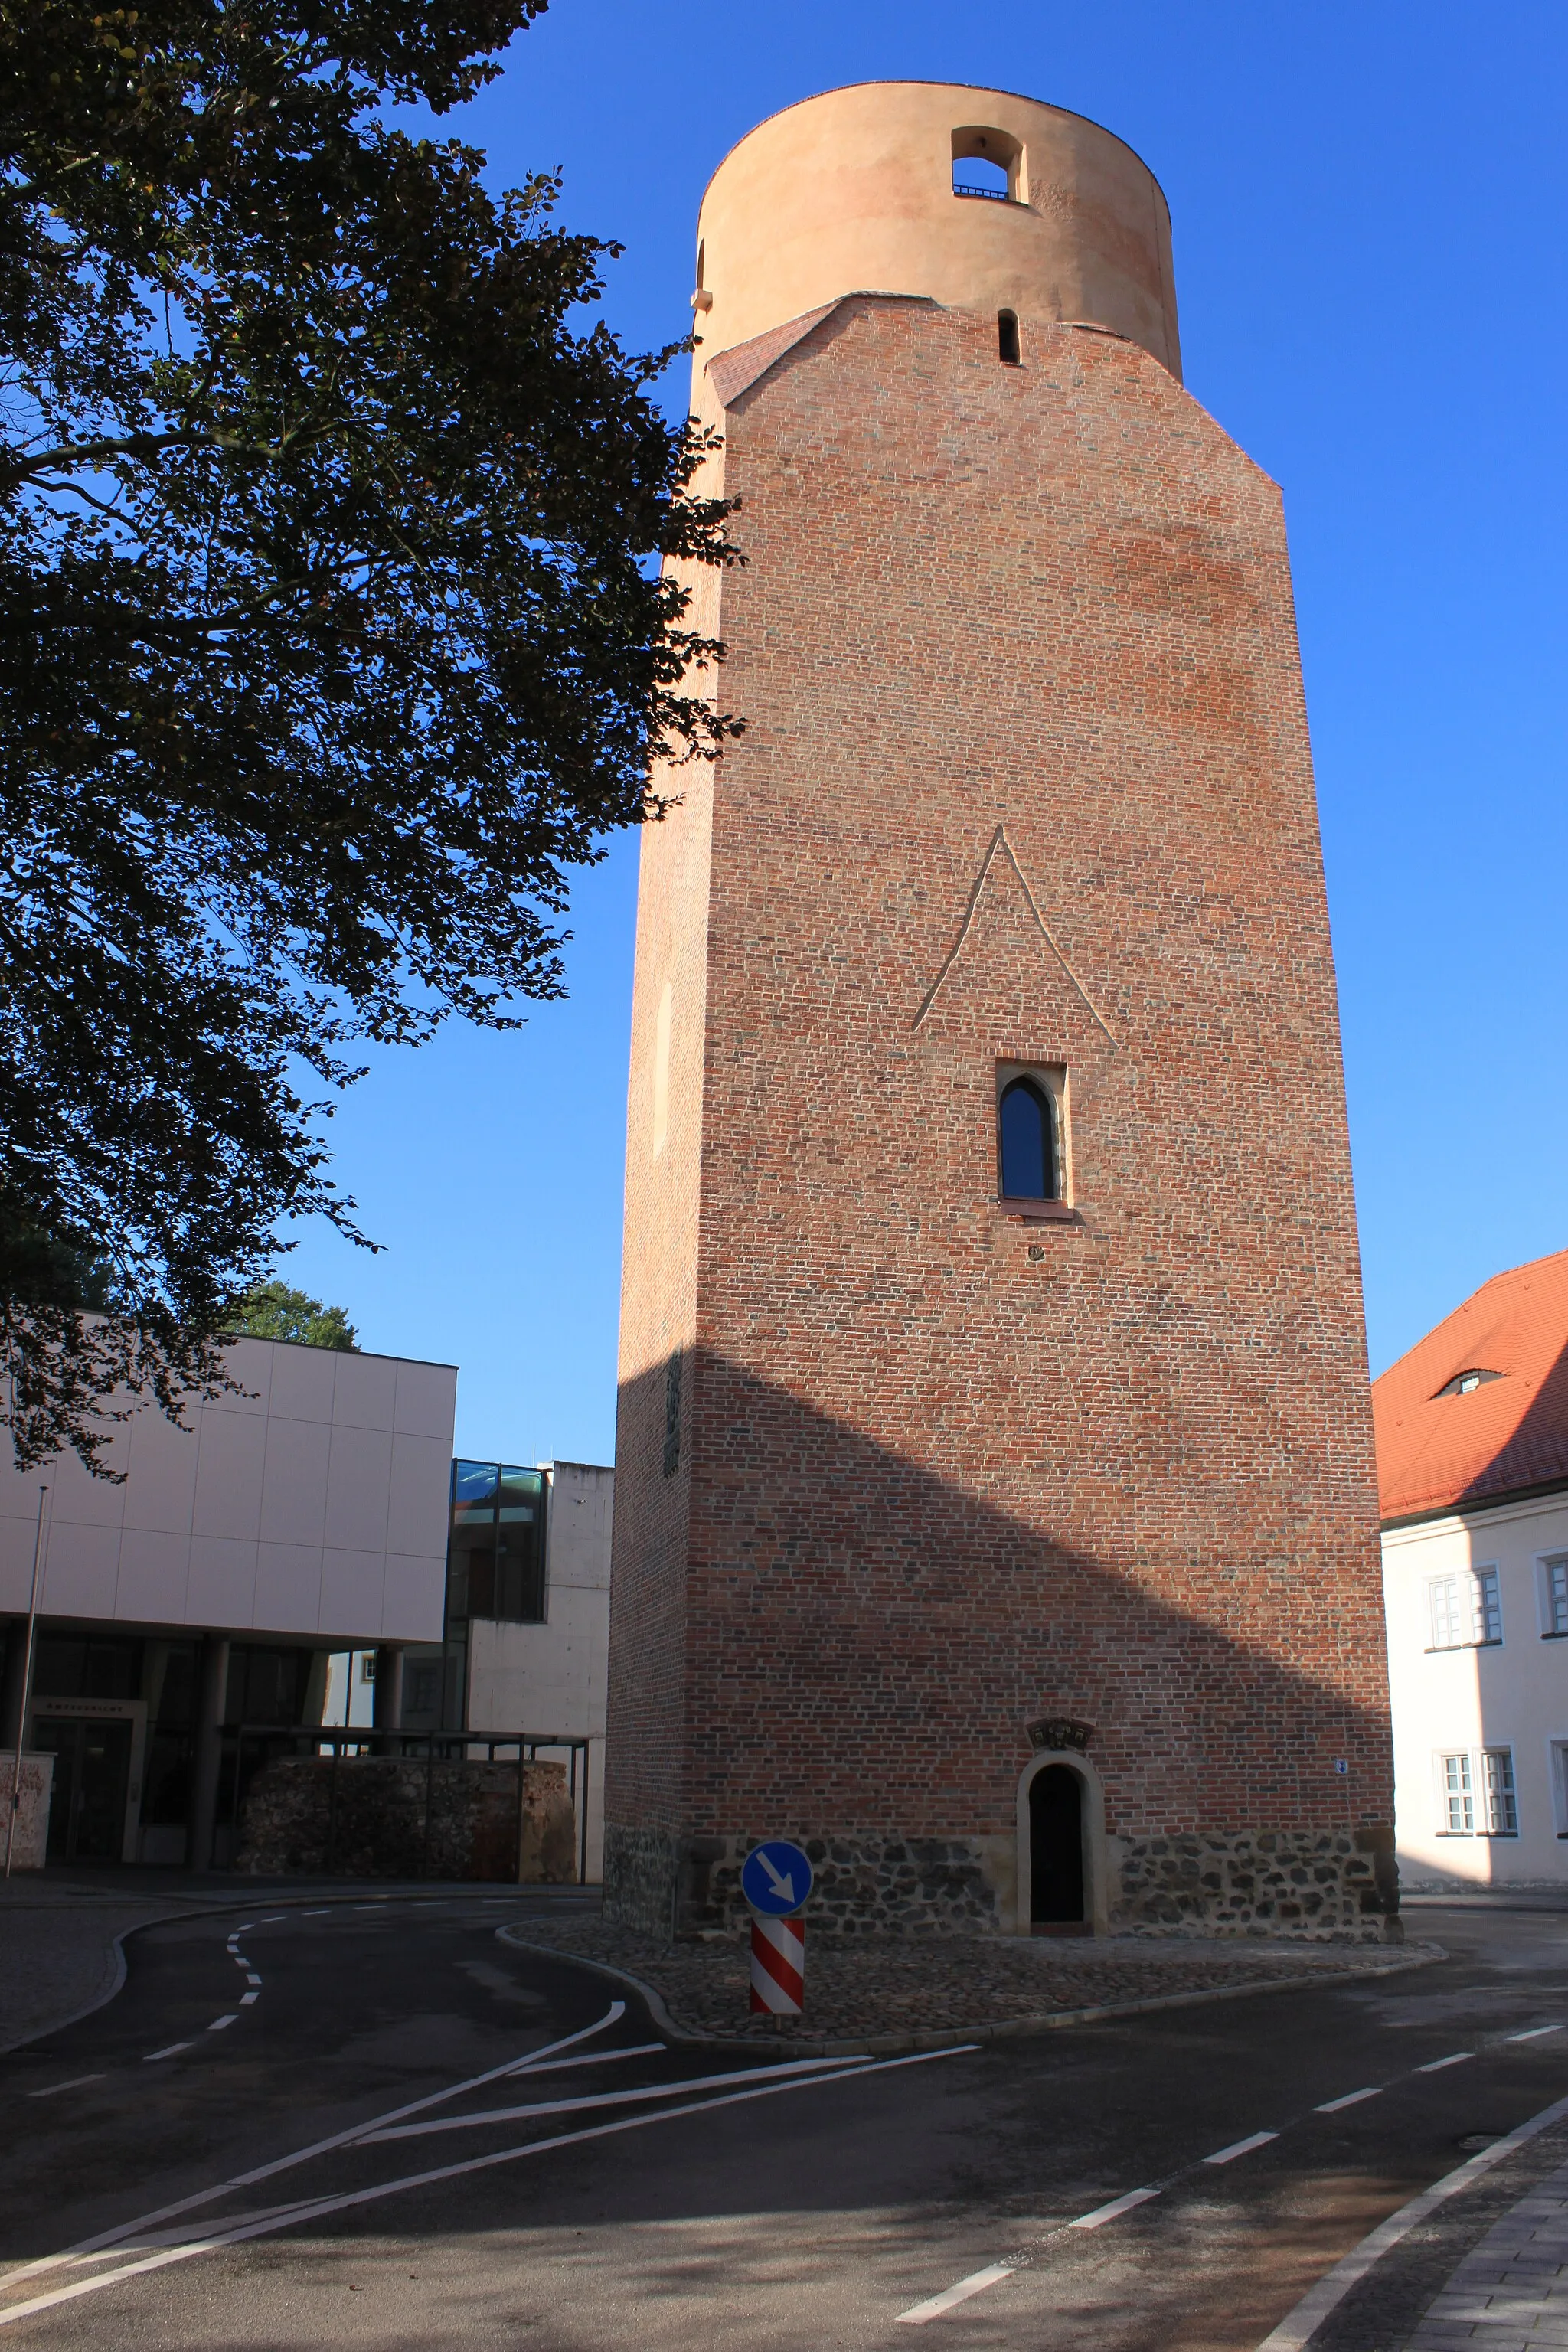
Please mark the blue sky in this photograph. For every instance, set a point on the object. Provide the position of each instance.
(1369, 214)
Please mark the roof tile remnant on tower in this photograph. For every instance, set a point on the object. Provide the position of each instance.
(1440, 1444)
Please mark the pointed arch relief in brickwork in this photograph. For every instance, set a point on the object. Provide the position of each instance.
(1000, 853)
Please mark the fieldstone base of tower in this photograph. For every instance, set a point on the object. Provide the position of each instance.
(1332, 1886)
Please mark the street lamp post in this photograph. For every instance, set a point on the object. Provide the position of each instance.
(26, 1685)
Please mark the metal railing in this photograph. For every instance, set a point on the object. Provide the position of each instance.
(247, 1747)
(967, 188)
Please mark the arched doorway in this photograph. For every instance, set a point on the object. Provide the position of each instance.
(1056, 1848)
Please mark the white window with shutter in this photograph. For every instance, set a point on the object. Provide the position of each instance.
(1497, 1778)
(1554, 1592)
(1465, 1609)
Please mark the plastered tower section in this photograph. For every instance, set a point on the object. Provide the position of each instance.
(1026, 781)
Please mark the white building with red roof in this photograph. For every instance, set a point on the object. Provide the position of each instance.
(1472, 1455)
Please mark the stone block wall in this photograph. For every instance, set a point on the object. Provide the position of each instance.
(366, 1818)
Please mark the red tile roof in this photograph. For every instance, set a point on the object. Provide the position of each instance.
(1507, 1434)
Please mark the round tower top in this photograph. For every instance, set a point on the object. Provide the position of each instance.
(979, 199)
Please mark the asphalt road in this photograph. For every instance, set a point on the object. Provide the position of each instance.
(165, 2182)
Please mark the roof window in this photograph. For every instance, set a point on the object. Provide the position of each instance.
(1463, 1382)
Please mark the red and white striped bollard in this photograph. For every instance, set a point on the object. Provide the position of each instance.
(778, 1966)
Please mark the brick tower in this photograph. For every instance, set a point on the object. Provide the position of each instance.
(994, 1502)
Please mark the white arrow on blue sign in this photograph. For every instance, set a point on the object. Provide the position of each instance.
(775, 1877)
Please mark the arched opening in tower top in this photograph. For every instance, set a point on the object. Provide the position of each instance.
(987, 163)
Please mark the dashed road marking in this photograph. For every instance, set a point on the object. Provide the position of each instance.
(172, 2051)
(74, 2084)
(220, 2022)
(251, 1976)
(975, 2283)
(1103, 2213)
(1241, 2147)
(246, 1998)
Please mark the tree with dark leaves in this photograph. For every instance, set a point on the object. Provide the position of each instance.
(341, 613)
(276, 1310)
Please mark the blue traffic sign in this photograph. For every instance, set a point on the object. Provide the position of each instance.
(775, 1877)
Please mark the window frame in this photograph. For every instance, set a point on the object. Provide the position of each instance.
(1482, 1576)
(1485, 1788)
(1503, 1789)
(1452, 1791)
(1051, 1078)
(1546, 1563)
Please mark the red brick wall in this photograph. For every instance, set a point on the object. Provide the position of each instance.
(943, 1471)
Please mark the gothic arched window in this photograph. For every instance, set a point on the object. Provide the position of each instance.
(1026, 1142)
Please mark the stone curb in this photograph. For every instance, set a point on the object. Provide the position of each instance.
(896, 2045)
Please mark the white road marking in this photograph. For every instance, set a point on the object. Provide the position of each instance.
(1436, 2065)
(173, 2048)
(1240, 2147)
(220, 2022)
(245, 1930)
(489, 2115)
(325, 1912)
(975, 2283)
(74, 2084)
(1349, 2099)
(1298, 2328)
(87, 2248)
(246, 1998)
(251, 1976)
(1534, 2034)
(277, 1920)
(1103, 2213)
(593, 2058)
(317, 2208)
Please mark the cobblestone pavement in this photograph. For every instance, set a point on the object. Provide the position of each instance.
(1510, 2293)
(59, 1953)
(877, 1988)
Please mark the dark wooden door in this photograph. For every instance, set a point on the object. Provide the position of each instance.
(1055, 1847)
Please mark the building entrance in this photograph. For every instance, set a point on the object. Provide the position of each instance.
(93, 1773)
(1056, 1848)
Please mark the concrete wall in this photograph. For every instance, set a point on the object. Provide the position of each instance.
(313, 1505)
(552, 1677)
(1511, 1694)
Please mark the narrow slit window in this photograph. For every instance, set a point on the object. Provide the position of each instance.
(1007, 337)
(1026, 1142)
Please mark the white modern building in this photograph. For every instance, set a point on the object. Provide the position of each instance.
(1472, 1439)
(304, 1515)
(305, 1553)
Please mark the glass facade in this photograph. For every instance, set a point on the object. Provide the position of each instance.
(495, 1561)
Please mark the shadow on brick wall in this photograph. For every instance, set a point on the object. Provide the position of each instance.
(816, 1635)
